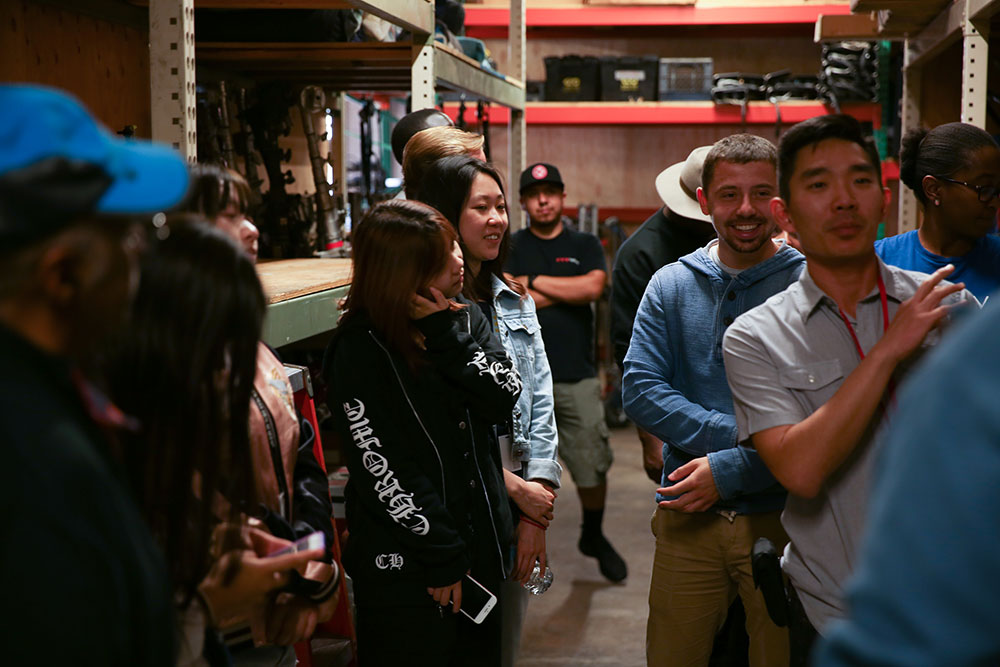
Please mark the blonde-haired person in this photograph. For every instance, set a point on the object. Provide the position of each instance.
(430, 145)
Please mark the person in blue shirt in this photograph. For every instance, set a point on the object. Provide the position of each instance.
(926, 590)
(954, 171)
(717, 497)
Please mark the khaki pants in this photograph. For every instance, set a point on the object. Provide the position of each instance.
(702, 562)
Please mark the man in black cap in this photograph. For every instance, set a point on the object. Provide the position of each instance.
(565, 272)
(77, 562)
(672, 232)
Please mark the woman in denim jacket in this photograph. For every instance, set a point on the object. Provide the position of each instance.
(470, 195)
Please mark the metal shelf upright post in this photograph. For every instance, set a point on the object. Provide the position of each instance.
(172, 75)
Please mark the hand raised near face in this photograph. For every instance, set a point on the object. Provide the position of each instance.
(421, 306)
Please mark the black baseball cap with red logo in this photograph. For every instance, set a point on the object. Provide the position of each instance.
(540, 172)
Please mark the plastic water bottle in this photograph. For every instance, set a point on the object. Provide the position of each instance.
(538, 584)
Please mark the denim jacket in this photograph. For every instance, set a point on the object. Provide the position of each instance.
(534, 423)
(675, 383)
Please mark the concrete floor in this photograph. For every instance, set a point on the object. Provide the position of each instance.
(584, 619)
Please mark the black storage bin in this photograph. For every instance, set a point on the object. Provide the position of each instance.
(629, 78)
(572, 78)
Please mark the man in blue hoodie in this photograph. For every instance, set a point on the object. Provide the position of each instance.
(717, 497)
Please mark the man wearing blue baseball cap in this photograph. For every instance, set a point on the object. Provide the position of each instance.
(77, 563)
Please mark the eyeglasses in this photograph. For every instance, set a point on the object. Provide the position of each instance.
(986, 193)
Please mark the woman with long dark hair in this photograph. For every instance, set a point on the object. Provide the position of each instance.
(470, 194)
(184, 369)
(415, 382)
(291, 485)
(954, 171)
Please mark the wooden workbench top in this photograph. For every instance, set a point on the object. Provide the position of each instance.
(285, 279)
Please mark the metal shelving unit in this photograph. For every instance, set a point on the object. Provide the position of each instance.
(421, 67)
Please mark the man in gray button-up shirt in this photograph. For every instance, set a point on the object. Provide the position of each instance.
(813, 368)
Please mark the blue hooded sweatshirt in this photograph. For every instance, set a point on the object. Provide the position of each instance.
(675, 383)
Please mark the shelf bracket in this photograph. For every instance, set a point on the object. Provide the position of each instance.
(975, 60)
(422, 75)
(518, 126)
(172, 75)
(910, 120)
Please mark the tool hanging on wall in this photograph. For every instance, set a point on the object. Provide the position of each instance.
(250, 159)
(483, 117)
(225, 130)
(312, 101)
(460, 119)
(208, 127)
(367, 111)
(287, 227)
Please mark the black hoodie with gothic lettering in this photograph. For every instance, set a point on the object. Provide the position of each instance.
(425, 499)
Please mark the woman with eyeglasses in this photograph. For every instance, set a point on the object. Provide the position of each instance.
(954, 171)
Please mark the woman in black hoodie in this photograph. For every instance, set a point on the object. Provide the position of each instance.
(416, 381)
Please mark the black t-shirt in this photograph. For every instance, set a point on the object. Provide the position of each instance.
(568, 330)
(658, 242)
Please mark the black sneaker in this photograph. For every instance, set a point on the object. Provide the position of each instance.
(611, 564)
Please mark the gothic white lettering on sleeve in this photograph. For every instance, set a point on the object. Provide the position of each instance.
(503, 375)
(399, 504)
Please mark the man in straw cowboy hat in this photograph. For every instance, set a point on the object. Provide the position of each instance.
(676, 229)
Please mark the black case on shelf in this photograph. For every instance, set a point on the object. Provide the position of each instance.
(572, 78)
(629, 78)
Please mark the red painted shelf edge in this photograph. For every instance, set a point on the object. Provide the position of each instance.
(476, 17)
(695, 113)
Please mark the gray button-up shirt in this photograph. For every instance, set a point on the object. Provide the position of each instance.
(785, 359)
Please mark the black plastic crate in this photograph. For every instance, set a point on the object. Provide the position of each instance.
(572, 78)
(629, 78)
(534, 91)
(685, 79)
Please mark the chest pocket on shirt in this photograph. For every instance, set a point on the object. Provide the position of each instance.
(811, 377)
(529, 327)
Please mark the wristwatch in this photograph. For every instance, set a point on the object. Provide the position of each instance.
(531, 281)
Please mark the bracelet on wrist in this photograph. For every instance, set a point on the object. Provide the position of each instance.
(532, 522)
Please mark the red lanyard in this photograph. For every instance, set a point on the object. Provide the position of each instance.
(885, 317)
(890, 389)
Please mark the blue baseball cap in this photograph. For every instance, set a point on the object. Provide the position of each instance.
(57, 164)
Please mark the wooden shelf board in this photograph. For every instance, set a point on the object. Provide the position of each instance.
(285, 279)
(356, 66)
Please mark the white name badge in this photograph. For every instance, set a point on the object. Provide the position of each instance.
(506, 454)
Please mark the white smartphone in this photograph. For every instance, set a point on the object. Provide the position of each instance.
(316, 540)
(477, 601)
